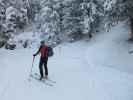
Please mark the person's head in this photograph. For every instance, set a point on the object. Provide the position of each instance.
(42, 42)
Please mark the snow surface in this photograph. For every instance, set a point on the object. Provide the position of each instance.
(100, 69)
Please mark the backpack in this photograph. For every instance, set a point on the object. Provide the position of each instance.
(49, 52)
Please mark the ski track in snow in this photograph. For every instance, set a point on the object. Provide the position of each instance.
(100, 69)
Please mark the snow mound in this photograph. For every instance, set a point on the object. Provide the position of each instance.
(26, 40)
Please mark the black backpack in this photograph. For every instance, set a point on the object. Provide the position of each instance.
(49, 52)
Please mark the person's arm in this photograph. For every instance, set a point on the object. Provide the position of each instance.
(37, 51)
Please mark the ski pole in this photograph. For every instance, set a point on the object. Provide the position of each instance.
(32, 65)
(31, 68)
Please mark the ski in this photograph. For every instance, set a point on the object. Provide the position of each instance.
(43, 80)
(48, 79)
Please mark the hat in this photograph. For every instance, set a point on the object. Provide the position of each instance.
(42, 42)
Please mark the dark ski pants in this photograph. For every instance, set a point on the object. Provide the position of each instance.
(43, 61)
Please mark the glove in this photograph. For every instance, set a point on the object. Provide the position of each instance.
(34, 55)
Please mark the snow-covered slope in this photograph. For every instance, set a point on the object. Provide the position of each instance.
(95, 70)
(112, 49)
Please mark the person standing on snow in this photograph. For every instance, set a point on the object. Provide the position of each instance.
(43, 59)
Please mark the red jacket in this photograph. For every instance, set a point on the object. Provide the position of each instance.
(42, 50)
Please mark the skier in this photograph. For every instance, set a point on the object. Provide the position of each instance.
(43, 59)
